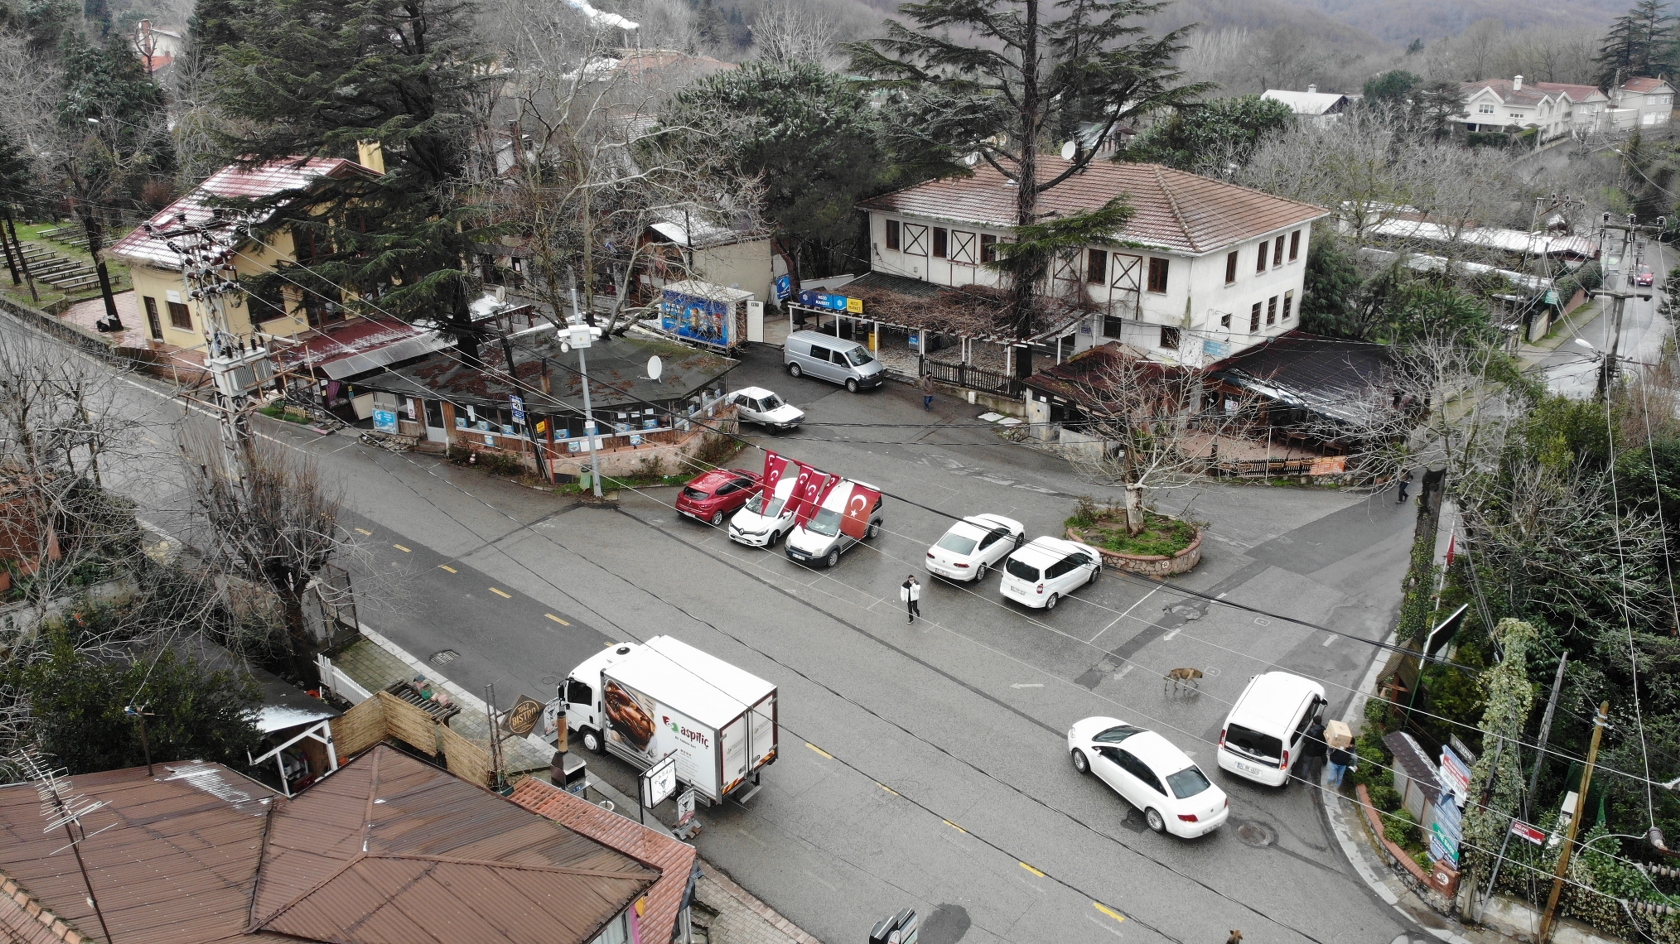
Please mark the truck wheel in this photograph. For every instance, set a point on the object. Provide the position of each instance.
(591, 740)
(832, 558)
(794, 371)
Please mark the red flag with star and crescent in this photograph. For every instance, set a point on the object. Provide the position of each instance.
(812, 491)
(858, 506)
(775, 467)
(802, 476)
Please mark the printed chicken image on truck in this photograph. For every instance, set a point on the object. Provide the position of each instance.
(644, 702)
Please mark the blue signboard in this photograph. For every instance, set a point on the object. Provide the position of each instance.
(828, 300)
(784, 288)
(1447, 829)
(1218, 350)
(518, 409)
(385, 421)
(697, 319)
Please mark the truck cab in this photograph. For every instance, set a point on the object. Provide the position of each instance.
(579, 696)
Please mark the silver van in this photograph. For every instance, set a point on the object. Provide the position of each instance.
(829, 358)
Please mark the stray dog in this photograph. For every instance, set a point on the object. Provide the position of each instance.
(1235, 938)
(1183, 677)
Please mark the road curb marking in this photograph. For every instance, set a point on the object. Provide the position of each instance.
(1108, 911)
(557, 619)
(501, 593)
(955, 827)
(819, 750)
(448, 568)
(364, 531)
(886, 788)
(403, 549)
(1030, 869)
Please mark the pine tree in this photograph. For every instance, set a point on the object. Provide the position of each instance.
(1639, 43)
(315, 77)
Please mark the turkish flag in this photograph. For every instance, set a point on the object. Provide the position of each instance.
(858, 506)
(774, 467)
(811, 493)
(799, 480)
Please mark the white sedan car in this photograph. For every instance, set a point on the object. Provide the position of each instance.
(1151, 773)
(766, 518)
(758, 405)
(1045, 570)
(973, 545)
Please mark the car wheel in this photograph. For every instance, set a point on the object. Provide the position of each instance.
(1020, 539)
(591, 740)
(851, 386)
(1156, 821)
(1079, 762)
(832, 558)
(980, 572)
(794, 371)
(1094, 575)
(717, 518)
(874, 529)
(1050, 604)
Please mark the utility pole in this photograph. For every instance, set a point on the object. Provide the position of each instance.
(1618, 288)
(582, 335)
(1574, 824)
(1546, 726)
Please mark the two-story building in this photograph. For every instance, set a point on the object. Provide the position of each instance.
(1203, 268)
(1649, 102)
(1559, 108)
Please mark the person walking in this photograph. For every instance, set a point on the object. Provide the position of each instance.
(1405, 483)
(1312, 752)
(1342, 760)
(927, 391)
(911, 594)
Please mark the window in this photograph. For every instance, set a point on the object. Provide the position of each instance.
(1484, 109)
(1254, 318)
(1294, 245)
(1158, 275)
(1112, 326)
(941, 242)
(179, 316)
(1169, 338)
(579, 693)
(1021, 570)
(1288, 304)
(988, 248)
(1271, 311)
(1260, 258)
(1225, 320)
(1277, 252)
(892, 234)
(1230, 268)
(1096, 266)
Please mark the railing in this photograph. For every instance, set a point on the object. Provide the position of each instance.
(977, 378)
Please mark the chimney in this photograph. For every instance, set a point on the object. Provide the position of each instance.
(1516, 84)
(1312, 90)
(371, 155)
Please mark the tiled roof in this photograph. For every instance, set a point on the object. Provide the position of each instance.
(232, 182)
(1643, 84)
(1576, 93)
(360, 345)
(1173, 209)
(1527, 95)
(1090, 375)
(674, 860)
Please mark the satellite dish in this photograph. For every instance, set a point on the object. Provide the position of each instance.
(972, 159)
(655, 367)
(1068, 150)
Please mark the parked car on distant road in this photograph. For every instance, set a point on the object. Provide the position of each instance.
(715, 495)
(1044, 571)
(766, 519)
(974, 544)
(758, 405)
(1151, 773)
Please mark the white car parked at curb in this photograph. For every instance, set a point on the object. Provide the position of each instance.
(765, 519)
(767, 409)
(973, 545)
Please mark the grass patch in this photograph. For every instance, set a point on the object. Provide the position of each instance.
(281, 412)
(629, 481)
(1161, 536)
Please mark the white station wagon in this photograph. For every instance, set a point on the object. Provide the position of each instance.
(1044, 571)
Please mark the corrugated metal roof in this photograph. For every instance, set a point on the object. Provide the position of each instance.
(1173, 209)
(389, 848)
(361, 345)
(231, 182)
(675, 860)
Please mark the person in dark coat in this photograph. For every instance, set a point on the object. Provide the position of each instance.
(1312, 752)
(1342, 760)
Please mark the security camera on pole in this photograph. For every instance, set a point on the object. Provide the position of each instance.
(581, 337)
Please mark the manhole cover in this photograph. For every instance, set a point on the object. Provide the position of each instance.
(1258, 835)
(445, 657)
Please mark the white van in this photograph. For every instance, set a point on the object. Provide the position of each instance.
(821, 538)
(829, 358)
(1263, 733)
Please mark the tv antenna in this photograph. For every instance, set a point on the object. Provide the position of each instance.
(61, 806)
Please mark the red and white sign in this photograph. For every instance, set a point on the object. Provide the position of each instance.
(1454, 775)
(1522, 830)
(811, 497)
(774, 467)
(858, 506)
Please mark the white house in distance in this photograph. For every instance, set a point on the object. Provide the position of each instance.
(1204, 269)
(1321, 108)
(1558, 108)
(1651, 100)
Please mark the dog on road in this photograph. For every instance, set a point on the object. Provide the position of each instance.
(1183, 677)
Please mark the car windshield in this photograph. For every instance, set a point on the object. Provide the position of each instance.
(695, 494)
(770, 402)
(1116, 734)
(1188, 782)
(1256, 745)
(858, 356)
(765, 505)
(826, 523)
(957, 543)
(1021, 569)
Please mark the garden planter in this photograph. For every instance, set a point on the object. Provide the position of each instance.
(1151, 565)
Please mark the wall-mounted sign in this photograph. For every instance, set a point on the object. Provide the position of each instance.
(385, 421)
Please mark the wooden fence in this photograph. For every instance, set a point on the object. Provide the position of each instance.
(386, 716)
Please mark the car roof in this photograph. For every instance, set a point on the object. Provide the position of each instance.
(754, 392)
(1272, 700)
(989, 521)
(828, 340)
(1044, 549)
(1156, 751)
(720, 476)
(969, 528)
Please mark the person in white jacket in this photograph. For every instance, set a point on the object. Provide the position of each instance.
(911, 593)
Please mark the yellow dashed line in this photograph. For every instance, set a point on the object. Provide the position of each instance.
(401, 548)
(501, 593)
(364, 531)
(557, 619)
(819, 750)
(1031, 869)
(448, 568)
(886, 788)
(1108, 911)
(955, 827)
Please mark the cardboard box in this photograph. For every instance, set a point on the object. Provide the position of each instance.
(1337, 734)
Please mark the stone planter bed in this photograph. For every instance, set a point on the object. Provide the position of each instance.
(1153, 565)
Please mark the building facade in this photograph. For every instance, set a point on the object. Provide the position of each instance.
(1558, 108)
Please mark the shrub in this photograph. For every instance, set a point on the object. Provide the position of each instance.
(1400, 828)
(1085, 513)
(1384, 798)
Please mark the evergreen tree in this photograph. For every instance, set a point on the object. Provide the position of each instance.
(315, 77)
(1392, 86)
(1640, 43)
(1210, 137)
(1005, 79)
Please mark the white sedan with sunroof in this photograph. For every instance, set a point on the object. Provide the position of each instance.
(973, 545)
(1151, 773)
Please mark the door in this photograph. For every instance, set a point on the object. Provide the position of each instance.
(992, 546)
(1106, 764)
(153, 323)
(1146, 788)
(829, 363)
(581, 707)
(1124, 284)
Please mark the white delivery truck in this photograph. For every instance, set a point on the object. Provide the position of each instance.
(644, 702)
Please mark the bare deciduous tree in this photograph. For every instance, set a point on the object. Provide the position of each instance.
(786, 32)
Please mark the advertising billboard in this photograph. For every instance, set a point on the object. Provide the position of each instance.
(696, 318)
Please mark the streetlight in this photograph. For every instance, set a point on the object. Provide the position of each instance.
(581, 337)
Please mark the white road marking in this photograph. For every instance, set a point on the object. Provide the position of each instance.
(1027, 685)
(1127, 613)
(1124, 671)
(1328, 640)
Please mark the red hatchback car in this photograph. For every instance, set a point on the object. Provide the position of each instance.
(713, 496)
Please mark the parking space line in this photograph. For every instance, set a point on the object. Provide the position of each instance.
(956, 827)
(819, 750)
(501, 593)
(886, 788)
(1122, 616)
(1328, 640)
(448, 568)
(557, 619)
(1108, 911)
(401, 548)
(1104, 925)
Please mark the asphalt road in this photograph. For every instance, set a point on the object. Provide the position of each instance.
(1573, 368)
(923, 765)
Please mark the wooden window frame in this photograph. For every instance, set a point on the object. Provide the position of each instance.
(892, 237)
(1271, 311)
(178, 313)
(941, 242)
(1277, 252)
(1288, 304)
(1254, 318)
(1294, 245)
(1096, 266)
(988, 248)
(1170, 337)
(1159, 274)
(1260, 258)
(1231, 267)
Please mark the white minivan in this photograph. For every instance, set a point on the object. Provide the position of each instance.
(1263, 734)
(821, 538)
(833, 359)
(1047, 569)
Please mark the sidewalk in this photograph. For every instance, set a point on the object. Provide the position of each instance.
(1565, 328)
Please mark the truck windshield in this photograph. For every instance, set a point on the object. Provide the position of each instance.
(766, 505)
(826, 523)
(858, 356)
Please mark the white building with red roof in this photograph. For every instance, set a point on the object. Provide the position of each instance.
(1559, 108)
(1203, 268)
(175, 319)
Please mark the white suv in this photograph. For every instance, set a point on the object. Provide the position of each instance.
(1040, 573)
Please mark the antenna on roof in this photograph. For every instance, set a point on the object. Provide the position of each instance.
(61, 806)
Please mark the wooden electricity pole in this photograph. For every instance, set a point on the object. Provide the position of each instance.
(1574, 823)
